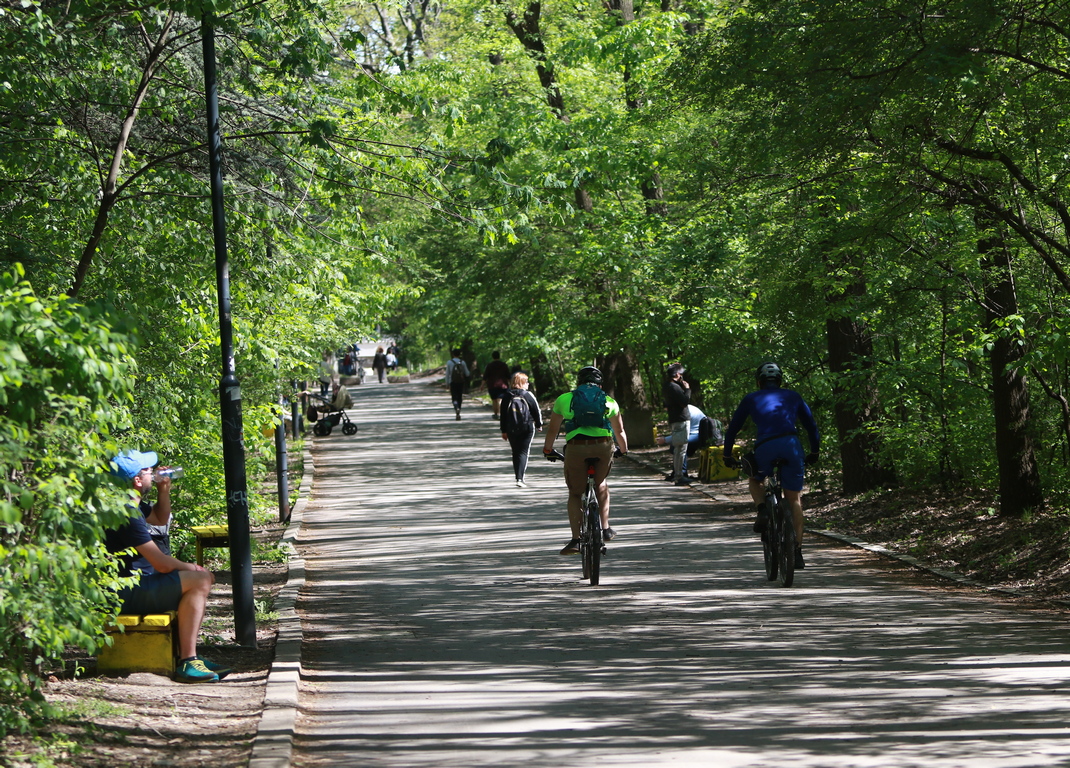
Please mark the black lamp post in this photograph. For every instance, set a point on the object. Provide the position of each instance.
(241, 566)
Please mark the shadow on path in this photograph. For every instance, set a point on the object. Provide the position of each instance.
(442, 629)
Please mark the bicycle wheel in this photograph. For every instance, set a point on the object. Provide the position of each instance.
(770, 538)
(786, 546)
(585, 540)
(594, 543)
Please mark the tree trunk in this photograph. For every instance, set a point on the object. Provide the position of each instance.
(623, 381)
(857, 404)
(546, 378)
(528, 31)
(1019, 478)
(110, 188)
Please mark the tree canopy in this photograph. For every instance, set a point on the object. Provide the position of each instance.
(871, 194)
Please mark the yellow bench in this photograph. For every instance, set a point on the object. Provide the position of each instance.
(711, 466)
(141, 644)
(209, 536)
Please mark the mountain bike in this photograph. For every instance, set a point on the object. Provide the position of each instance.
(592, 546)
(778, 538)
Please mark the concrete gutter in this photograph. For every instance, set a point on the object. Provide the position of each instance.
(273, 745)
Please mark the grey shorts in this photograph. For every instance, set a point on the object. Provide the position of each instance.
(157, 593)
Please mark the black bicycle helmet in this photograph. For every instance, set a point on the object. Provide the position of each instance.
(769, 372)
(589, 375)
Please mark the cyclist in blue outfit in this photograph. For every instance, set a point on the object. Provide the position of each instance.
(776, 412)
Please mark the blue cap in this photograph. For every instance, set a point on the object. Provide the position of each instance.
(128, 464)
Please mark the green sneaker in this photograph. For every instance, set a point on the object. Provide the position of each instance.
(194, 671)
(219, 669)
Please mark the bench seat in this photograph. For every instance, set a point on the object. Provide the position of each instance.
(209, 536)
(141, 644)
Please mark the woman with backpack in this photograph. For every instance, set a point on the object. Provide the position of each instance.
(520, 419)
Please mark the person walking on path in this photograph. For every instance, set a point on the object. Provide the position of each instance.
(456, 377)
(520, 419)
(776, 412)
(166, 583)
(328, 371)
(591, 419)
(677, 393)
(379, 364)
(496, 376)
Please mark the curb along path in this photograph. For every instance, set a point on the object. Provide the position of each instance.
(441, 628)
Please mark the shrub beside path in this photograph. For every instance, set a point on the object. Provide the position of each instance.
(439, 627)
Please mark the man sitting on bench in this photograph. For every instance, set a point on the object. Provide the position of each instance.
(167, 584)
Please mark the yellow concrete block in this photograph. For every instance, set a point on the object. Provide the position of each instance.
(144, 644)
(711, 466)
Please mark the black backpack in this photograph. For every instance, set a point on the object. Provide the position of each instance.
(457, 374)
(709, 432)
(516, 417)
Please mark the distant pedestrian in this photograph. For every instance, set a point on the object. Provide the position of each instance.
(391, 362)
(456, 377)
(379, 364)
(677, 393)
(520, 419)
(496, 375)
(328, 371)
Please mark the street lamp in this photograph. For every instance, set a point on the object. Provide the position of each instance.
(241, 566)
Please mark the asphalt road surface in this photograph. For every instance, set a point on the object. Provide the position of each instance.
(441, 627)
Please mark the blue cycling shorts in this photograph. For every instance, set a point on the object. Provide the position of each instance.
(788, 448)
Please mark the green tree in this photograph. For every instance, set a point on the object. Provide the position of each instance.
(65, 374)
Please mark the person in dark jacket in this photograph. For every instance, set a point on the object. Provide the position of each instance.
(496, 377)
(677, 394)
(520, 436)
(379, 364)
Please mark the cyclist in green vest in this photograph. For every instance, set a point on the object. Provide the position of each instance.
(592, 420)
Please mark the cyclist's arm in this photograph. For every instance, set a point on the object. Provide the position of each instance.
(551, 432)
(617, 425)
(807, 418)
(736, 424)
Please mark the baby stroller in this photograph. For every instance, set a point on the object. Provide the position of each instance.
(328, 412)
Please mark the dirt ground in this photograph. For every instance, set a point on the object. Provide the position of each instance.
(148, 720)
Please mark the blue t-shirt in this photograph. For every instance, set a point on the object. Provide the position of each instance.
(135, 533)
(774, 412)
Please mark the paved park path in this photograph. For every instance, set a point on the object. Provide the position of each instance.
(441, 627)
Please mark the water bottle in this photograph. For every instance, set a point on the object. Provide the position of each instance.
(172, 472)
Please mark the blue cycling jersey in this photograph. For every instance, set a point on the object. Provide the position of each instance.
(775, 412)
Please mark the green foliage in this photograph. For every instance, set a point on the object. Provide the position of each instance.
(65, 372)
